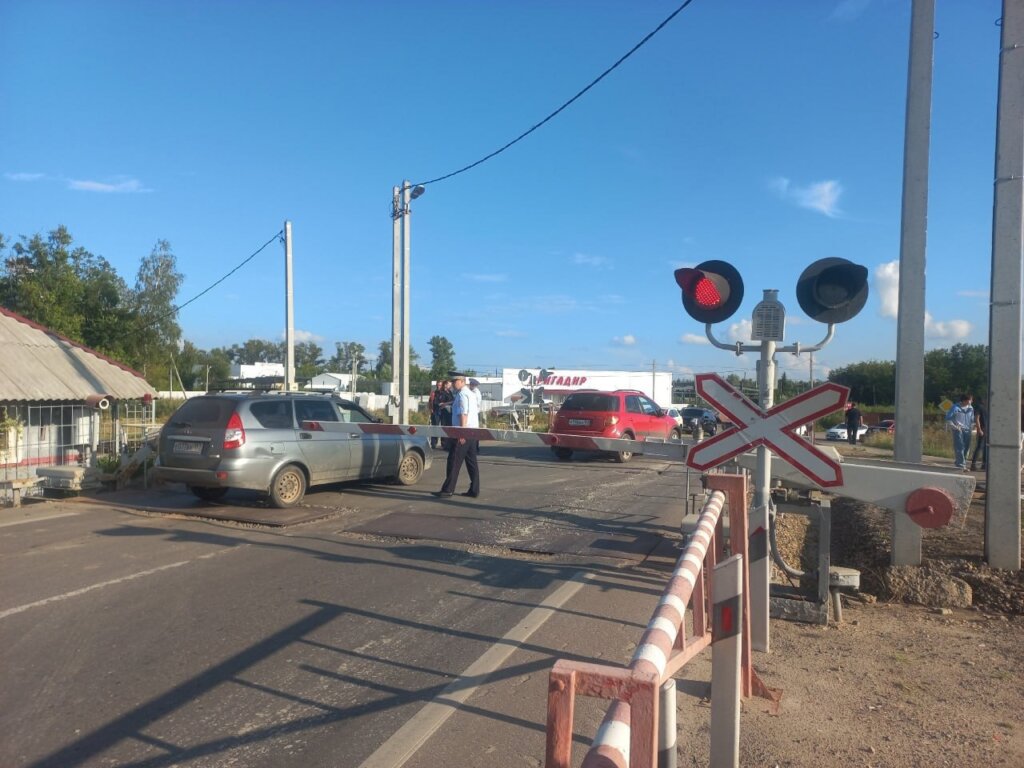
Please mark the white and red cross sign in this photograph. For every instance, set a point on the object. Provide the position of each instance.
(775, 428)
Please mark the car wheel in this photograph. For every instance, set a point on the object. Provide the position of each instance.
(623, 456)
(288, 487)
(564, 454)
(677, 435)
(208, 494)
(411, 469)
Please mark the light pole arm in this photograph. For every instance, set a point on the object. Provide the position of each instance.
(738, 348)
(796, 349)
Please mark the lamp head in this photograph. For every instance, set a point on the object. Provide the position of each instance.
(418, 190)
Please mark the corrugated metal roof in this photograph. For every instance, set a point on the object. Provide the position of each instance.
(37, 364)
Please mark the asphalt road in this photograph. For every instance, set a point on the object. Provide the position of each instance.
(135, 633)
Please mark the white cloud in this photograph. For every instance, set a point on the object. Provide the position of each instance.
(740, 331)
(479, 278)
(625, 341)
(948, 330)
(849, 10)
(821, 196)
(973, 294)
(302, 336)
(693, 338)
(887, 286)
(24, 176)
(675, 367)
(123, 185)
(598, 262)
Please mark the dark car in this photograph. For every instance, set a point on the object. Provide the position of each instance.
(694, 415)
(623, 414)
(280, 443)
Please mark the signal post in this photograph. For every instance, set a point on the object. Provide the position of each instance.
(830, 291)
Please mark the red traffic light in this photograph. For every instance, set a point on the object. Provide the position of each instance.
(712, 291)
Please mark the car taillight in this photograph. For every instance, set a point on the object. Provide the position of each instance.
(234, 434)
(611, 421)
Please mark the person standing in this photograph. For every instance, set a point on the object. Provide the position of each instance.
(853, 422)
(960, 420)
(462, 450)
(981, 424)
(442, 409)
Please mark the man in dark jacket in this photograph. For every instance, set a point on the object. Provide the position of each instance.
(853, 420)
(980, 424)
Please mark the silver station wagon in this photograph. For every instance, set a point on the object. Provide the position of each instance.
(280, 443)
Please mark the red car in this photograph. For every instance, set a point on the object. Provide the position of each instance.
(623, 414)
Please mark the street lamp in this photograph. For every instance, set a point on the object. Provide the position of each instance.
(400, 198)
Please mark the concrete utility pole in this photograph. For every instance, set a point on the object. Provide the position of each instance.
(906, 535)
(404, 406)
(289, 312)
(1002, 499)
(396, 299)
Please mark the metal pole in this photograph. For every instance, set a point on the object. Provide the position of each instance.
(760, 569)
(667, 724)
(289, 312)
(396, 300)
(406, 215)
(1002, 502)
(906, 535)
(355, 374)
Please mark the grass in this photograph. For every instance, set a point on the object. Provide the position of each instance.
(935, 442)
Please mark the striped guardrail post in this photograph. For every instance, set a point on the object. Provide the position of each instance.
(726, 658)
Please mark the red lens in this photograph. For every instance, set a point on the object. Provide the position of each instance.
(706, 293)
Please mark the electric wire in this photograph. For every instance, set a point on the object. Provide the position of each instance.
(594, 82)
(175, 310)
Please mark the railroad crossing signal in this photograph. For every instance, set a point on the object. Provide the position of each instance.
(832, 290)
(775, 428)
(712, 291)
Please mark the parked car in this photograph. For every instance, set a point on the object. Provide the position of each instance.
(887, 426)
(675, 414)
(838, 432)
(623, 414)
(693, 415)
(280, 443)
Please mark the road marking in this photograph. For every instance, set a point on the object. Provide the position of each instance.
(112, 582)
(405, 742)
(38, 519)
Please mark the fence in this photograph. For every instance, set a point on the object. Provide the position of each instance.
(34, 439)
(714, 589)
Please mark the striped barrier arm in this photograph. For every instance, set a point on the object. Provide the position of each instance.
(674, 451)
(628, 735)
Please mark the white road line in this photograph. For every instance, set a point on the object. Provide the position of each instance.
(404, 743)
(38, 519)
(112, 582)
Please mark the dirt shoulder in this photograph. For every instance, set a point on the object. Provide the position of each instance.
(895, 684)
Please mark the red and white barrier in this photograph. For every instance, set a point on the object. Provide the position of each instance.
(667, 450)
(628, 734)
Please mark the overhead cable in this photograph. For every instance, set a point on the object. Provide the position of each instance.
(594, 82)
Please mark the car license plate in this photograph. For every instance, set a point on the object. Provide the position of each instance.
(188, 447)
(579, 422)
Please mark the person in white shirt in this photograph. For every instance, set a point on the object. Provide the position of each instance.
(465, 413)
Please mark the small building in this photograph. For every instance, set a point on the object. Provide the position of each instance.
(331, 382)
(256, 370)
(556, 385)
(63, 404)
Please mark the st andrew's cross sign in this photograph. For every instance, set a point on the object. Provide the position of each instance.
(775, 428)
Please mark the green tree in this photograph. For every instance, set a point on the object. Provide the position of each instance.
(963, 368)
(347, 352)
(872, 382)
(156, 333)
(256, 351)
(309, 360)
(443, 357)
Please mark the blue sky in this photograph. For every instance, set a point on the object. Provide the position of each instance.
(765, 134)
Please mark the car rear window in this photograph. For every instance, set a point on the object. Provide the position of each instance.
(590, 401)
(273, 415)
(204, 413)
(694, 413)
